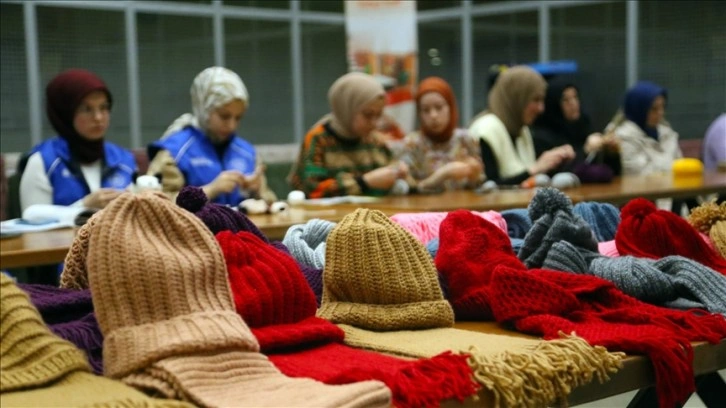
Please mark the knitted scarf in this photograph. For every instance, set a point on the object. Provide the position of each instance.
(485, 276)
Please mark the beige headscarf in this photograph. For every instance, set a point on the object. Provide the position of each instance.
(346, 97)
(212, 88)
(510, 95)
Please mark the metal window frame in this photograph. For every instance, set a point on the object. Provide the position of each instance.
(295, 16)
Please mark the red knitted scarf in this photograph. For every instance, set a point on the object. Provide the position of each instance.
(486, 280)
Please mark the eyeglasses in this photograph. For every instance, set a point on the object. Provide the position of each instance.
(90, 111)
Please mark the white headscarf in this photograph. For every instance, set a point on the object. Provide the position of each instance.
(212, 88)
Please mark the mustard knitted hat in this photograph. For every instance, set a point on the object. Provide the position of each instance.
(710, 218)
(37, 368)
(162, 300)
(395, 281)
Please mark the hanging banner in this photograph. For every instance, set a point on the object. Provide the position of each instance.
(383, 42)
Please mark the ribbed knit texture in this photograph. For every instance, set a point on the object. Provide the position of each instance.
(710, 219)
(554, 220)
(518, 222)
(393, 276)
(603, 218)
(69, 314)
(659, 282)
(545, 302)
(306, 242)
(38, 368)
(216, 217)
(74, 275)
(163, 302)
(647, 232)
(505, 376)
(425, 226)
(272, 296)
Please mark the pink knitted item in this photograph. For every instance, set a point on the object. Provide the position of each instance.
(425, 226)
(608, 248)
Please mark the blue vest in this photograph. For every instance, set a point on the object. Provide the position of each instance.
(197, 159)
(66, 178)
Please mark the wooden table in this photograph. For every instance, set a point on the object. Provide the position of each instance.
(636, 373)
(50, 247)
(624, 189)
(619, 191)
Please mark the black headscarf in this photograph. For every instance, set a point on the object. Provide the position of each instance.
(551, 129)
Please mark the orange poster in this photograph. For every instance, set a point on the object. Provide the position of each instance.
(383, 42)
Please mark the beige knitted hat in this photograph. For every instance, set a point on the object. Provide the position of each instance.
(74, 274)
(162, 300)
(37, 368)
(377, 276)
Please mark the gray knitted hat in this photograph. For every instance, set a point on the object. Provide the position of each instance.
(672, 281)
(603, 218)
(306, 242)
(554, 221)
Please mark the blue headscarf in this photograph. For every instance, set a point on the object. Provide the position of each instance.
(638, 101)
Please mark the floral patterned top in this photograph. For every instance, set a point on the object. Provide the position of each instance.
(424, 157)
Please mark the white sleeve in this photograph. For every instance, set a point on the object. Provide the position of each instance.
(35, 187)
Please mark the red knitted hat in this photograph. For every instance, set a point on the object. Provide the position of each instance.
(272, 295)
(469, 249)
(647, 232)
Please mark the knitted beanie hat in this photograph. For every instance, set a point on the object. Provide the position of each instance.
(465, 240)
(393, 276)
(271, 294)
(164, 305)
(554, 221)
(39, 369)
(518, 222)
(647, 232)
(603, 218)
(710, 219)
(74, 275)
(306, 242)
(216, 217)
(425, 226)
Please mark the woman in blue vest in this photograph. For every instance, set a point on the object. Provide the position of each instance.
(77, 167)
(203, 149)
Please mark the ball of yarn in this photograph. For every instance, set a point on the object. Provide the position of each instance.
(565, 180)
(295, 197)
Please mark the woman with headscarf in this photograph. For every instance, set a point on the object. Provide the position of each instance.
(440, 155)
(563, 122)
(203, 149)
(507, 149)
(77, 167)
(343, 154)
(647, 142)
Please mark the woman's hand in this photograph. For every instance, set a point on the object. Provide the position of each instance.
(551, 159)
(383, 178)
(100, 198)
(225, 182)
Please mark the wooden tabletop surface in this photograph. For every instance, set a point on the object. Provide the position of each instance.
(50, 247)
